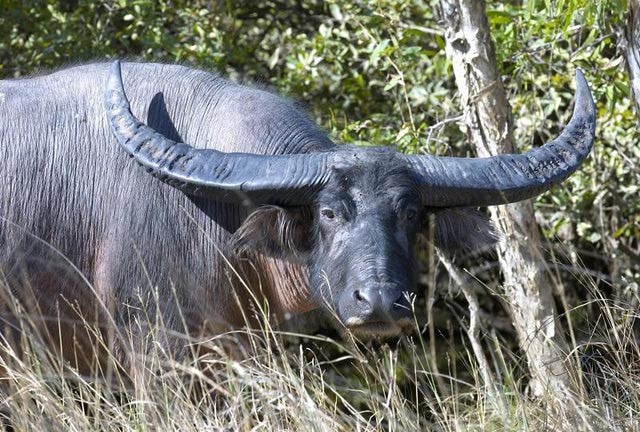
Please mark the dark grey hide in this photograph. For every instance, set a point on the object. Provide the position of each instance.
(86, 233)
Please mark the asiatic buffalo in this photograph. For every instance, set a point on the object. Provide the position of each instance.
(226, 197)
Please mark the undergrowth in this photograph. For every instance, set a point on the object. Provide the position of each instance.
(273, 379)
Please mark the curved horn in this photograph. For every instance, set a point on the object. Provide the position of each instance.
(237, 177)
(502, 179)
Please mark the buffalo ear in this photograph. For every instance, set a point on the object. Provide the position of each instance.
(457, 231)
(274, 231)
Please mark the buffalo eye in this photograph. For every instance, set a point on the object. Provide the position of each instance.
(327, 213)
(409, 213)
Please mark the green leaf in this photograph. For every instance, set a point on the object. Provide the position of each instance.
(393, 82)
(499, 17)
(377, 52)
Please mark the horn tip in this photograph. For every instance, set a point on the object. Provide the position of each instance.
(115, 76)
(584, 98)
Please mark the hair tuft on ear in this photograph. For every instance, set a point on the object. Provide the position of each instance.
(274, 231)
(459, 231)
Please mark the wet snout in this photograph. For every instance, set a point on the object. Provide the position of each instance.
(379, 303)
(380, 310)
(381, 275)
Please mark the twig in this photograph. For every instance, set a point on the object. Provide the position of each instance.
(473, 331)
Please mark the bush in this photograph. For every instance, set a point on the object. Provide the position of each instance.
(375, 73)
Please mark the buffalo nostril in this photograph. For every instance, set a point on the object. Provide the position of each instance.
(365, 300)
(379, 303)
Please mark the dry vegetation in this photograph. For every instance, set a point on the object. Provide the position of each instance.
(373, 72)
(276, 380)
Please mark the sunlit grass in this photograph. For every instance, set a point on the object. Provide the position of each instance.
(273, 380)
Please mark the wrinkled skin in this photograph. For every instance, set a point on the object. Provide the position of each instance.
(363, 260)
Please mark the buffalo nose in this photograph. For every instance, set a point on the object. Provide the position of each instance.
(378, 303)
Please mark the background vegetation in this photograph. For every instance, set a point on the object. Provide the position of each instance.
(374, 72)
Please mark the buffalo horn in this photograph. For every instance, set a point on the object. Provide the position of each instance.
(506, 178)
(291, 179)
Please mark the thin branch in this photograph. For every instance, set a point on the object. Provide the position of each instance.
(464, 283)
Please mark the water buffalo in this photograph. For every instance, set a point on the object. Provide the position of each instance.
(223, 198)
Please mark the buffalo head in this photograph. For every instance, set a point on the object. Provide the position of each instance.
(351, 216)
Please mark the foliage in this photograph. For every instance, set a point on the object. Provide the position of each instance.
(374, 72)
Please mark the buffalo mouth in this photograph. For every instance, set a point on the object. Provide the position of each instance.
(378, 329)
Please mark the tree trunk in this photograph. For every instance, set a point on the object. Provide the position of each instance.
(487, 113)
(632, 36)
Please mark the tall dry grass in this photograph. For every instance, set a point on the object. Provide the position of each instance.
(288, 381)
